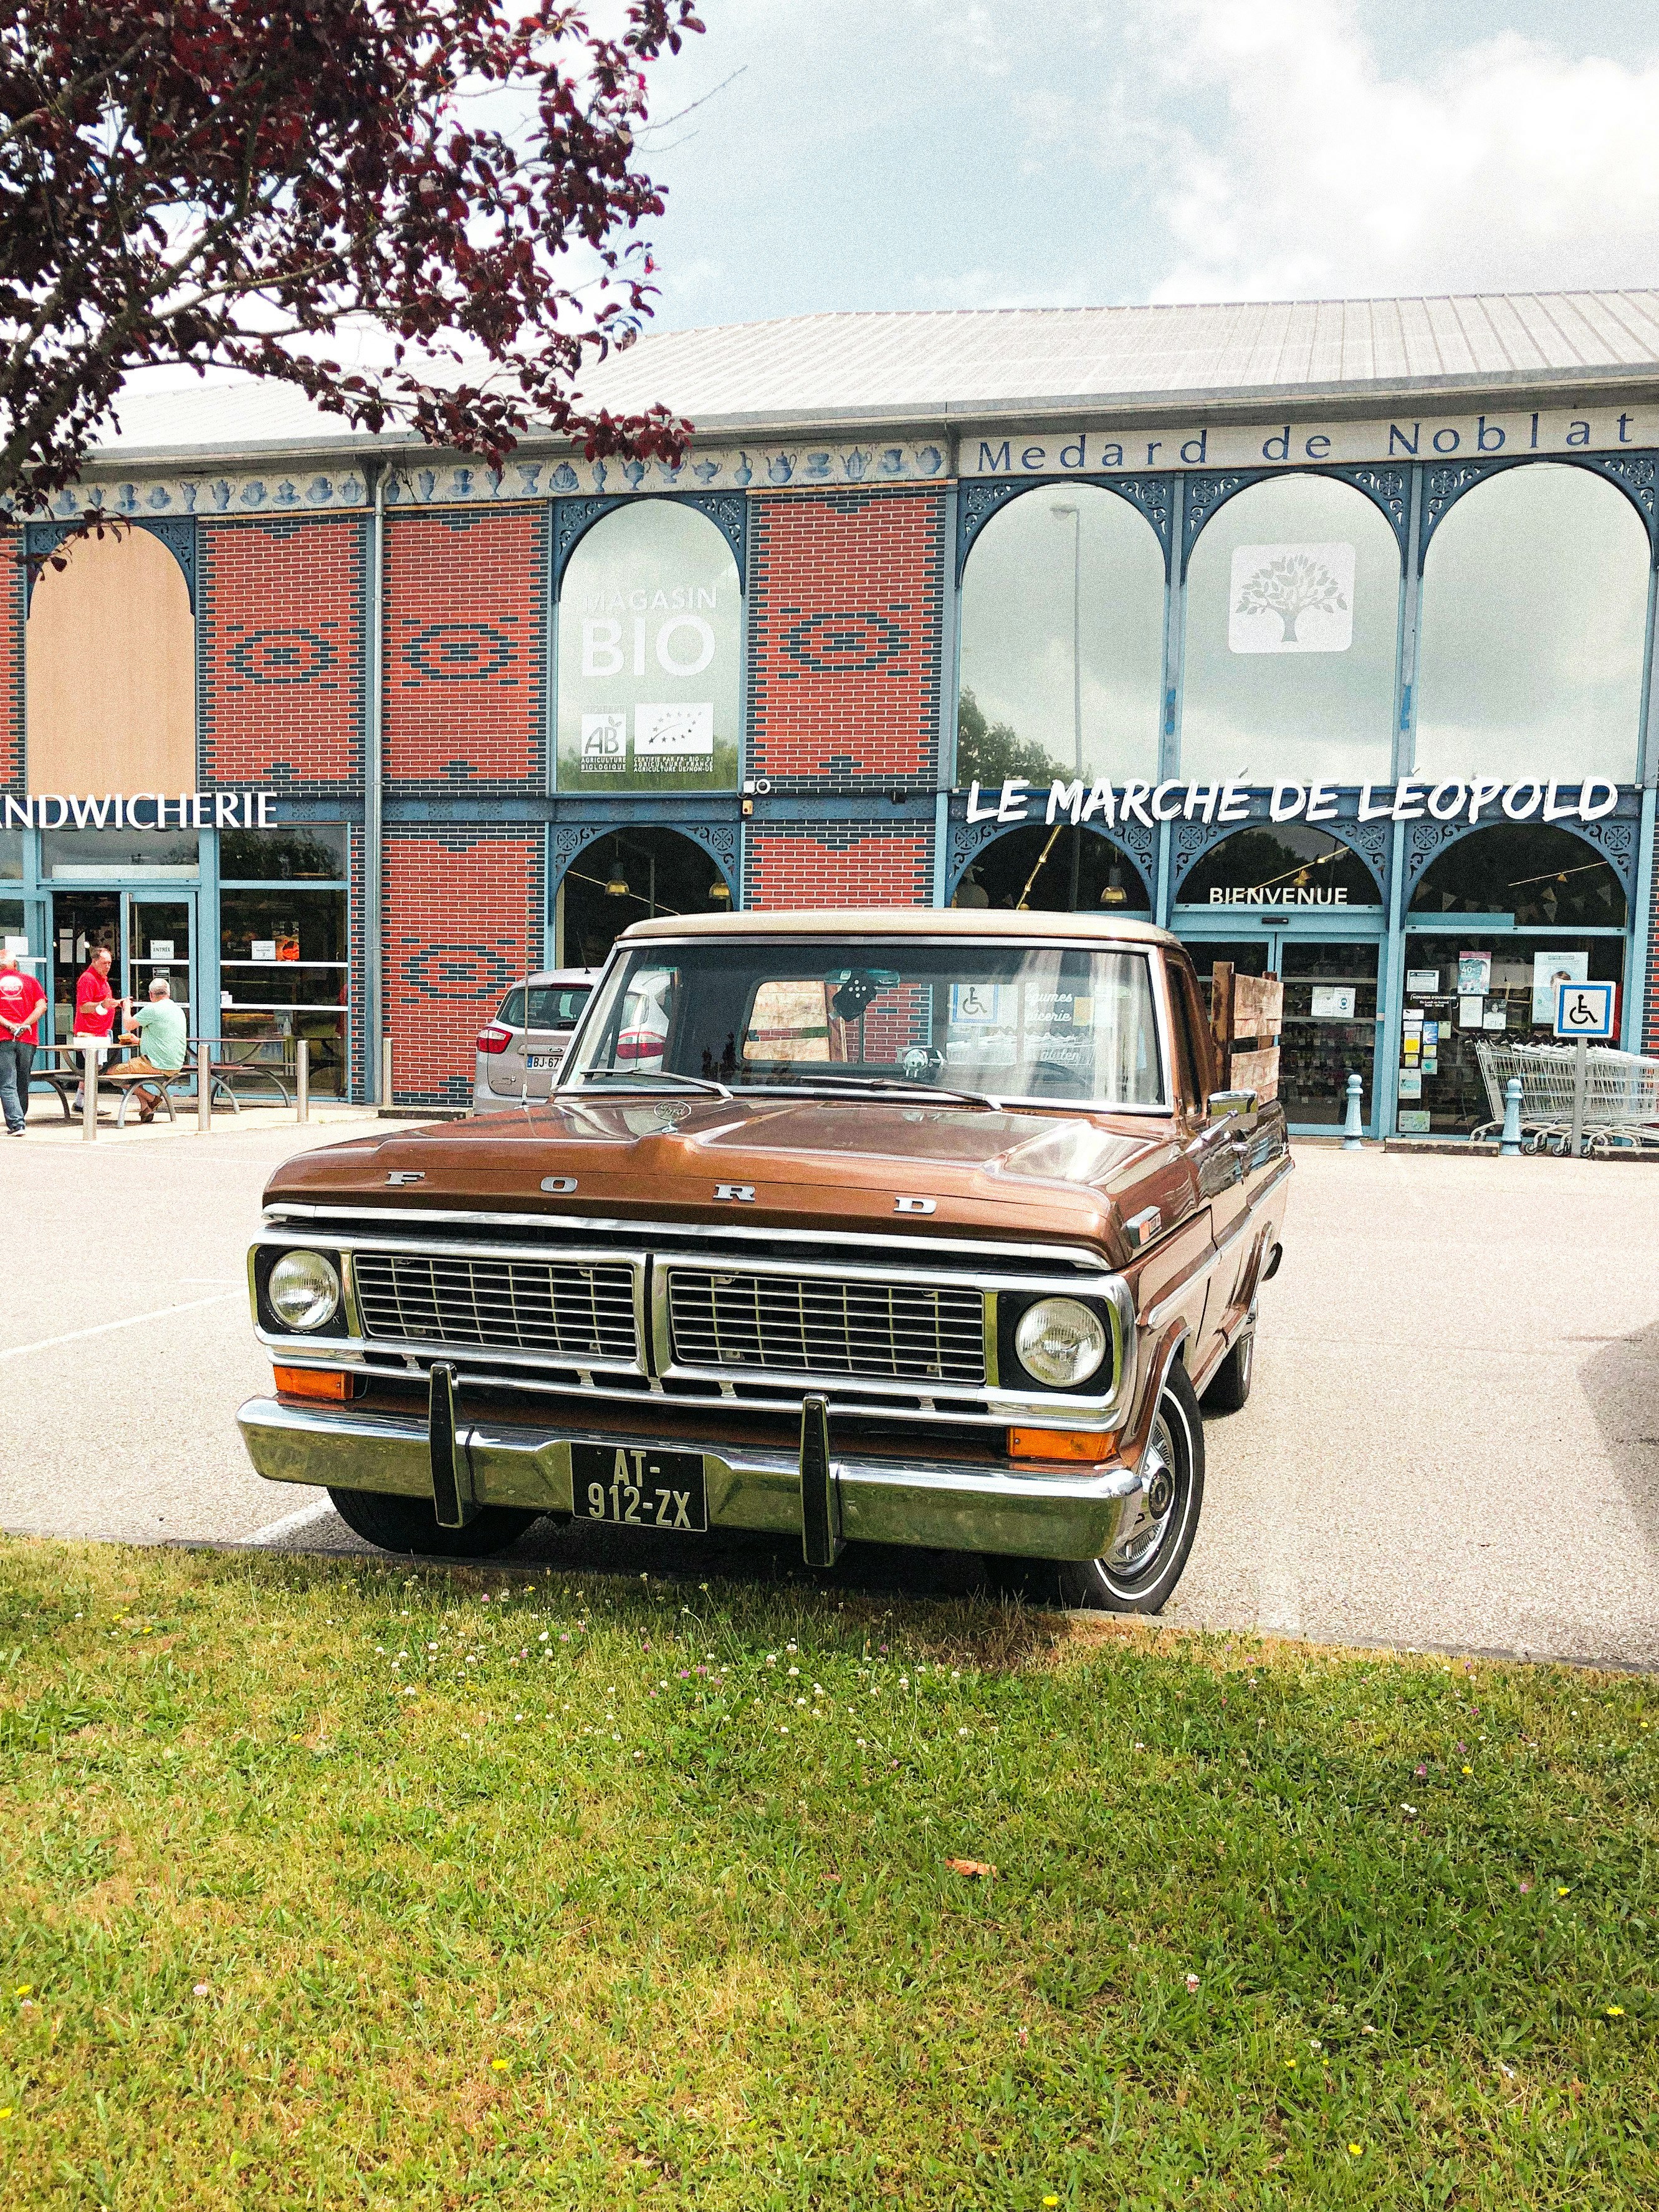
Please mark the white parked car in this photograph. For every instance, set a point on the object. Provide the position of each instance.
(519, 1051)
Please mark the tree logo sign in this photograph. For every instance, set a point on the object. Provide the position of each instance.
(1291, 598)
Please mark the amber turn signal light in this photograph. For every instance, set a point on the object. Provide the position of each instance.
(330, 1382)
(1087, 1444)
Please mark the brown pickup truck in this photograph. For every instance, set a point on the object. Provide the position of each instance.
(888, 1227)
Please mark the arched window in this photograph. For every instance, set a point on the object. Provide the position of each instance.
(111, 660)
(1062, 870)
(1280, 867)
(1534, 610)
(1291, 639)
(1063, 640)
(650, 631)
(1538, 876)
(631, 875)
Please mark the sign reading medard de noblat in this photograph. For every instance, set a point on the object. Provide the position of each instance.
(145, 810)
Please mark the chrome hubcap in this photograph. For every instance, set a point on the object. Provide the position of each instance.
(1141, 1544)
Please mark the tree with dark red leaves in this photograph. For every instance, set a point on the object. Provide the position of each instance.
(232, 183)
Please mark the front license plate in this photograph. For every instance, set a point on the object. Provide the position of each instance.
(638, 1489)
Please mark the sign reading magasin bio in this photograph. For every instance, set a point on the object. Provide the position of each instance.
(649, 655)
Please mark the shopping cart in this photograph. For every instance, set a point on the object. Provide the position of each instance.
(1621, 1095)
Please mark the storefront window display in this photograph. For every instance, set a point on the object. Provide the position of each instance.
(70, 856)
(1533, 616)
(1060, 870)
(1063, 640)
(13, 922)
(284, 971)
(1291, 636)
(650, 656)
(314, 852)
(1543, 909)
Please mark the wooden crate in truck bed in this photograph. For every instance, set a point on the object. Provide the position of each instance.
(1246, 1014)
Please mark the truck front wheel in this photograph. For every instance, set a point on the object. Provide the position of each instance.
(411, 1525)
(1145, 1566)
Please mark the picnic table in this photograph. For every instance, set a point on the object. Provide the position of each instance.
(65, 1080)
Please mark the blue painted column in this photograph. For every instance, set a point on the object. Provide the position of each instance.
(1641, 931)
(950, 643)
(1385, 1105)
(205, 1012)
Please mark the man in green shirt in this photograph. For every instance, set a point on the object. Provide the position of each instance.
(161, 1030)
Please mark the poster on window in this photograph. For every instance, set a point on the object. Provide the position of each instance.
(1473, 973)
(649, 636)
(1291, 598)
(1549, 968)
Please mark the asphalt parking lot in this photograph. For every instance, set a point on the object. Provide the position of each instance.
(1453, 1438)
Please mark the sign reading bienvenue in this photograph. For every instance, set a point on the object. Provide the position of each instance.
(1288, 443)
(1412, 799)
(145, 810)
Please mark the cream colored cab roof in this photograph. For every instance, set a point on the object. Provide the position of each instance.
(903, 921)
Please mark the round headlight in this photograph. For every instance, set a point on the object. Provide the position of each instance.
(1060, 1342)
(304, 1290)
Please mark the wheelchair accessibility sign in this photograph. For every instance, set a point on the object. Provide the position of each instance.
(1585, 1010)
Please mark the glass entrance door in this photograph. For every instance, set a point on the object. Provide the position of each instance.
(146, 935)
(159, 933)
(1330, 1027)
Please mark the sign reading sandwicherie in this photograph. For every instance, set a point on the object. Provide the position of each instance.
(144, 810)
(1286, 443)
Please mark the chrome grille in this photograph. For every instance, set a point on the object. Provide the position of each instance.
(563, 1309)
(810, 1325)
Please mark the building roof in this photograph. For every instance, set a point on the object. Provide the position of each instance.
(977, 365)
(1016, 365)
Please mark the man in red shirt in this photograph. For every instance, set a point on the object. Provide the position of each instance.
(23, 1002)
(96, 1007)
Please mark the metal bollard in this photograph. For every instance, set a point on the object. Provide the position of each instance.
(203, 1090)
(302, 1080)
(386, 1071)
(1353, 1128)
(1509, 1144)
(88, 1094)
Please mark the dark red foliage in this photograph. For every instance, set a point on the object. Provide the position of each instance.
(225, 182)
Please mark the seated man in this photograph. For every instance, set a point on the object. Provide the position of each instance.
(161, 1029)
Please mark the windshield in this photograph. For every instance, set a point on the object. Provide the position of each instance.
(1033, 1023)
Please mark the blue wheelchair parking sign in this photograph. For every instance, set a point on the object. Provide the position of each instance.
(1585, 1010)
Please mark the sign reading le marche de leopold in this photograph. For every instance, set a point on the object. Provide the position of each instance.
(1413, 798)
(145, 810)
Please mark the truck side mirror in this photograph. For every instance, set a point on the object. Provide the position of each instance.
(1231, 1101)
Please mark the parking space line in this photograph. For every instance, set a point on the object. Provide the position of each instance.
(291, 1523)
(103, 1327)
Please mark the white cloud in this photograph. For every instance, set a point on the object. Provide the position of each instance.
(1512, 168)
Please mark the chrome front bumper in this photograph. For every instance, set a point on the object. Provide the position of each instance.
(938, 1505)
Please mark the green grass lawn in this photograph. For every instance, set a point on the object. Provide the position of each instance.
(334, 1884)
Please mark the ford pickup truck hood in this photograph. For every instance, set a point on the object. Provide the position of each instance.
(826, 1164)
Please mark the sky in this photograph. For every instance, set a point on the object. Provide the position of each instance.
(938, 153)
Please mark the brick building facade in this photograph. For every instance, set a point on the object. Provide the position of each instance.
(1003, 656)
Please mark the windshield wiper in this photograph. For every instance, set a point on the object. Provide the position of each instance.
(642, 1078)
(935, 1090)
